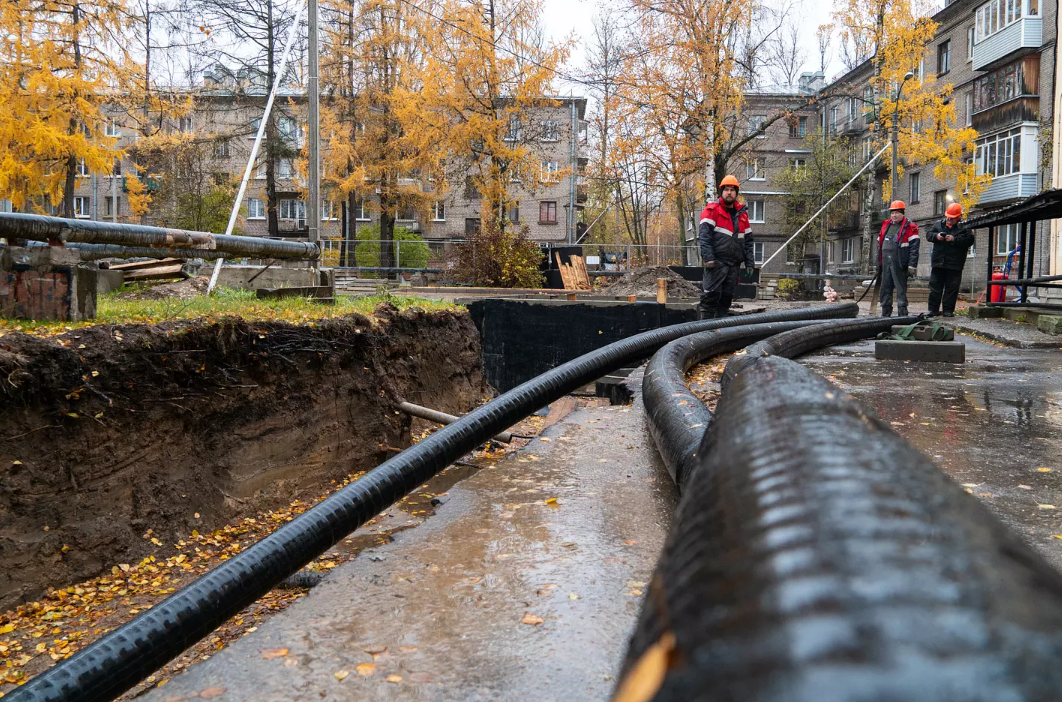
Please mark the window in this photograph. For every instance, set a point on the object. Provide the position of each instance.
(472, 226)
(998, 15)
(360, 213)
(833, 119)
(547, 212)
(82, 169)
(184, 124)
(285, 168)
(940, 201)
(116, 168)
(5, 205)
(221, 148)
(513, 212)
(550, 130)
(81, 207)
(916, 187)
(944, 58)
(512, 131)
(868, 105)
(969, 44)
(799, 128)
(111, 205)
(756, 123)
(550, 170)
(853, 109)
(969, 108)
(293, 210)
(438, 211)
(848, 250)
(407, 214)
(755, 170)
(798, 164)
(289, 130)
(757, 252)
(866, 149)
(255, 209)
(999, 86)
(971, 252)
(922, 71)
(999, 155)
(112, 129)
(253, 127)
(1006, 239)
(328, 210)
(260, 172)
(220, 178)
(829, 252)
(755, 210)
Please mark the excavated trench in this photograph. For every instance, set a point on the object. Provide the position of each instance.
(116, 438)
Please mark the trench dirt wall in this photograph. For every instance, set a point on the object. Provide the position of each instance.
(113, 436)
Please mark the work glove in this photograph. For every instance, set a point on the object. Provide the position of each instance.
(709, 264)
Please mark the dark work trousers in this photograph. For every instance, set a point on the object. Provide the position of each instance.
(718, 286)
(944, 283)
(893, 277)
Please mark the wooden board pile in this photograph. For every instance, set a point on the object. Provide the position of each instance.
(573, 274)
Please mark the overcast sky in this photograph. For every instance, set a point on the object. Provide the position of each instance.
(562, 17)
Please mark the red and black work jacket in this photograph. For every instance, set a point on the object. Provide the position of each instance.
(720, 240)
(906, 242)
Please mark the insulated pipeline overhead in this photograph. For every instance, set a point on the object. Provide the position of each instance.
(116, 662)
(41, 228)
(817, 555)
(94, 252)
(677, 417)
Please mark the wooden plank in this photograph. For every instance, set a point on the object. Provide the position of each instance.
(565, 273)
(161, 273)
(141, 265)
(582, 277)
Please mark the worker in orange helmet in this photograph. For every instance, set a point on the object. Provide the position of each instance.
(725, 240)
(951, 240)
(897, 257)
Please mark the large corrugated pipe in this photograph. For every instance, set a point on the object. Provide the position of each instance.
(800, 341)
(124, 657)
(42, 228)
(677, 418)
(817, 555)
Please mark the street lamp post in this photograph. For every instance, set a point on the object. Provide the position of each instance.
(896, 132)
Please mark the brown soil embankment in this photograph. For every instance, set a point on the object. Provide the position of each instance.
(114, 439)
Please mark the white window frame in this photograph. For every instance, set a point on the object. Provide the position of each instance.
(328, 211)
(995, 16)
(755, 204)
(800, 129)
(255, 124)
(755, 169)
(987, 153)
(969, 108)
(81, 170)
(1011, 237)
(513, 129)
(758, 253)
(285, 165)
(109, 205)
(438, 211)
(290, 210)
(848, 250)
(969, 44)
(255, 208)
(361, 215)
(550, 169)
(82, 206)
(798, 164)
(550, 130)
(972, 251)
(915, 180)
(112, 129)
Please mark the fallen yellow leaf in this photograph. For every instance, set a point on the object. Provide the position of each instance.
(394, 678)
(211, 692)
(7, 628)
(551, 501)
(271, 653)
(532, 619)
(1046, 506)
(366, 669)
(1044, 470)
(1056, 536)
(341, 674)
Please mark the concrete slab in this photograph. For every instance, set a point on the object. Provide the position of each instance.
(500, 595)
(923, 351)
(994, 424)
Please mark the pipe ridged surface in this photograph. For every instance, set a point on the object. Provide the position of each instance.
(42, 228)
(800, 341)
(124, 657)
(817, 556)
(677, 418)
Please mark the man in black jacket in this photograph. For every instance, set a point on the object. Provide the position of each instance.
(951, 240)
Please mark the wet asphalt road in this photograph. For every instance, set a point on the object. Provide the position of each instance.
(440, 612)
(994, 424)
(502, 594)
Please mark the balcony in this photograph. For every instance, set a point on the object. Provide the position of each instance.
(1006, 188)
(1023, 36)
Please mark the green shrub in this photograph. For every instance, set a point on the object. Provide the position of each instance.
(409, 247)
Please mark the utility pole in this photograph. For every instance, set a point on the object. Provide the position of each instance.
(896, 133)
(313, 206)
(571, 184)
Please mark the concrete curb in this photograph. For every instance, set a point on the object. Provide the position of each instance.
(1012, 343)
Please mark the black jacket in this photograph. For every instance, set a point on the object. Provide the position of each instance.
(723, 240)
(950, 255)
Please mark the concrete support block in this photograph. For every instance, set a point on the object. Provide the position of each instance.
(983, 312)
(925, 351)
(46, 283)
(109, 281)
(1049, 324)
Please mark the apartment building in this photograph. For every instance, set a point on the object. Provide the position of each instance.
(998, 58)
(228, 112)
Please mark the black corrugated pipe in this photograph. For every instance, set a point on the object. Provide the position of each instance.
(799, 341)
(677, 417)
(42, 228)
(124, 657)
(816, 555)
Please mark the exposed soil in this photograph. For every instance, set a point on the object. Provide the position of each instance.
(174, 290)
(111, 431)
(642, 282)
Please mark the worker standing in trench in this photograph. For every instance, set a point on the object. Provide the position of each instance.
(897, 257)
(725, 238)
(951, 240)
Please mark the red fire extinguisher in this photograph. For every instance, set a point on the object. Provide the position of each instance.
(999, 292)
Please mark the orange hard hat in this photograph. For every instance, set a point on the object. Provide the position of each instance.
(897, 205)
(729, 180)
(954, 210)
